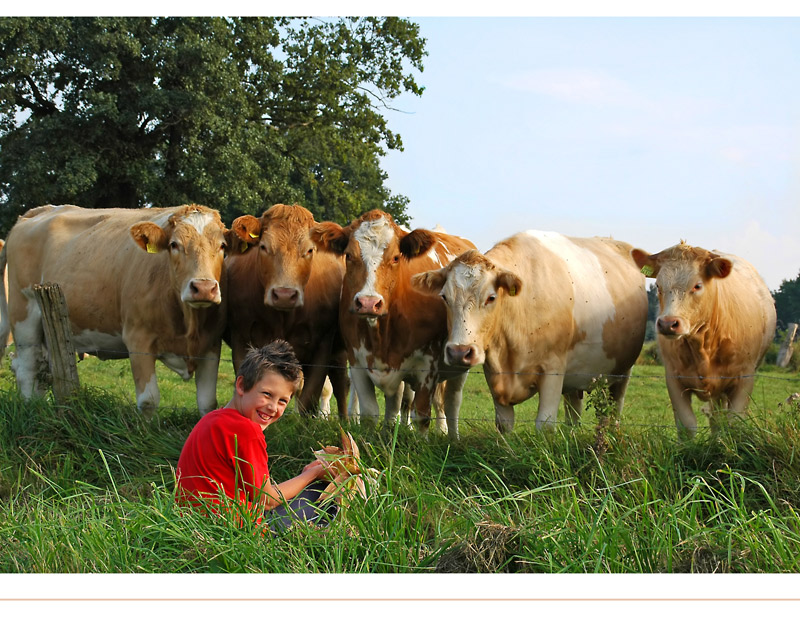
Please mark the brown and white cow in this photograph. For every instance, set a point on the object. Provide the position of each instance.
(543, 313)
(282, 286)
(716, 320)
(145, 284)
(393, 333)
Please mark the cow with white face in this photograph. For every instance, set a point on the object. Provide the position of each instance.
(393, 333)
(543, 313)
(142, 284)
(282, 286)
(716, 320)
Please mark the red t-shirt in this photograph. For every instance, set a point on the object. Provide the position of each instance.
(225, 453)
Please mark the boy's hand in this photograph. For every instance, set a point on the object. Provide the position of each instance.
(317, 465)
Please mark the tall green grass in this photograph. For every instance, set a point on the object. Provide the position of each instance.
(88, 487)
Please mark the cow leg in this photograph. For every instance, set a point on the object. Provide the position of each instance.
(618, 389)
(307, 402)
(681, 400)
(340, 380)
(438, 412)
(364, 389)
(453, 394)
(30, 357)
(205, 381)
(422, 408)
(550, 389)
(503, 417)
(573, 406)
(406, 404)
(143, 367)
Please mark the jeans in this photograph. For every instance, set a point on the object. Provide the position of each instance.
(303, 507)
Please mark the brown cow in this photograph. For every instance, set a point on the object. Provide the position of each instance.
(393, 333)
(281, 286)
(145, 284)
(543, 313)
(716, 320)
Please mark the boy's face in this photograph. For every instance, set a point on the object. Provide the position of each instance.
(266, 401)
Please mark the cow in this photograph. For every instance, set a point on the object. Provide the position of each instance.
(543, 313)
(394, 334)
(716, 320)
(145, 284)
(282, 286)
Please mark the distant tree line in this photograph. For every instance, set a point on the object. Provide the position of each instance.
(234, 113)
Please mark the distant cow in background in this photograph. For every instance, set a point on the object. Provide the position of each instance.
(145, 284)
(393, 333)
(716, 320)
(283, 286)
(543, 313)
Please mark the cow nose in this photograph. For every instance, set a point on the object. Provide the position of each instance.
(284, 297)
(458, 354)
(372, 305)
(669, 325)
(204, 290)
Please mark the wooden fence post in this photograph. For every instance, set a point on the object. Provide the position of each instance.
(785, 353)
(58, 337)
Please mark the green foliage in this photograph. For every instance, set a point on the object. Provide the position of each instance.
(787, 301)
(235, 113)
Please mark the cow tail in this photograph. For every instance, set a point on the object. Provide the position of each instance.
(5, 325)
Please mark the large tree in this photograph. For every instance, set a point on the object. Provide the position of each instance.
(787, 301)
(235, 113)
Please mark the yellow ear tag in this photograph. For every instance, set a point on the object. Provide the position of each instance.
(512, 291)
(647, 271)
(252, 235)
(244, 247)
(151, 248)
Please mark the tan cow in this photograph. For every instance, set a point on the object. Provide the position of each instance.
(716, 320)
(543, 313)
(282, 286)
(393, 333)
(144, 284)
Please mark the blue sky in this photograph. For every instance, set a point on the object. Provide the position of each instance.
(647, 129)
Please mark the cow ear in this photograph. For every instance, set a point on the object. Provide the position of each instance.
(647, 263)
(719, 268)
(330, 236)
(246, 232)
(416, 243)
(149, 237)
(430, 282)
(508, 282)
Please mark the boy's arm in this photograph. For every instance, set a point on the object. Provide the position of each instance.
(275, 494)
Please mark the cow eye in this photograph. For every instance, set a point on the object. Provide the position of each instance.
(173, 246)
(395, 259)
(444, 298)
(490, 299)
(698, 286)
(310, 252)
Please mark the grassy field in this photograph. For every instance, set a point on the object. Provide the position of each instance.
(87, 487)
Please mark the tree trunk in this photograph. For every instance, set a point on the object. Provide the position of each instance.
(785, 353)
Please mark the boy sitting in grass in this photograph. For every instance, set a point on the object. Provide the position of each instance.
(224, 460)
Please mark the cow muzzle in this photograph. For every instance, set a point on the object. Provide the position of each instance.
(202, 293)
(284, 298)
(369, 306)
(671, 326)
(462, 355)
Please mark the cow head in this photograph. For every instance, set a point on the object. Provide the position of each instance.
(686, 282)
(281, 238)
(471, 287)
(376, 253)
(195, 240)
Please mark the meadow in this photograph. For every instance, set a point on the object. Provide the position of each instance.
(88, 487)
